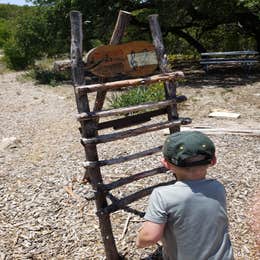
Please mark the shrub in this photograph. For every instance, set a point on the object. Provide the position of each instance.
(137, 96)
(27, 42)
(14, 56)
(4, 32)
(48, 76)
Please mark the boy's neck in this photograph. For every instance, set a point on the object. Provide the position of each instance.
(195, 173)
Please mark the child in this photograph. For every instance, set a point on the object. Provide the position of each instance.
(189, 216)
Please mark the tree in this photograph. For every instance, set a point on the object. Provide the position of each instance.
(249, 18)
(28, 41)
(190, 20)
(4, 32)
(197, 26)
(8, 15)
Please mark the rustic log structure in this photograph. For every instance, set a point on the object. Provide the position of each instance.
(90, 125)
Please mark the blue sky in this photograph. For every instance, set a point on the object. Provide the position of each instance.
(15, 2)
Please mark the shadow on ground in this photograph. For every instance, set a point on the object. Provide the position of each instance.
(220, 76)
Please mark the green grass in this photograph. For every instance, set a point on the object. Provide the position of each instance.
(138, 95)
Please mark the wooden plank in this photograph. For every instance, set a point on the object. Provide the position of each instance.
(224, 114)
(123, 158)
(249, 61)
(134, 59)
(134, 132)
(224, 131)
(229, 53)
(130, 82)
(228, 59)
(125, 110)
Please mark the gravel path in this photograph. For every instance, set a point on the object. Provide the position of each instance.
(40, 162)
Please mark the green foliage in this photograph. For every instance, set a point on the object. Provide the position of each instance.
(177, 45)
(8, 17)
(4, 32)
(252, 5)
(28, 42)
(48, 76)
(14, 57)
(227, 33)
(135, 96)
(10, 12)
(43, 73)
(32, 34)
(188, 27)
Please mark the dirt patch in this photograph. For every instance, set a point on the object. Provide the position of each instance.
(39, 219)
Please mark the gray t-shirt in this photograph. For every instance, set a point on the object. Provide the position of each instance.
(196, 220)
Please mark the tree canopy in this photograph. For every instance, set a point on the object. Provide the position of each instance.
(188, 26)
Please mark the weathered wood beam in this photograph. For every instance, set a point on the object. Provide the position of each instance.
(62, 65)
(130, 82)
(125, 110)
(123, 158)
(126, 208)
(118, 33)
(169, 86)
(134, 132)
(77, 67)
(121, 203)
(89, 131)
(135, 177)
(123, 20)
(214, 131)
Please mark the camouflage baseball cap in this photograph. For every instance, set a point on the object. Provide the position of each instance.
(182, 146)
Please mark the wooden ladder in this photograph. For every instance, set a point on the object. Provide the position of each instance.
(90, 125)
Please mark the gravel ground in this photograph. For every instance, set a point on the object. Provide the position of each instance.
(40, 163)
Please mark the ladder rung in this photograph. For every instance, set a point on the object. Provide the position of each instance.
(134, 132)
(122, 158)
(129, 82)
(131, 198)
(125, 110)
(135, 177)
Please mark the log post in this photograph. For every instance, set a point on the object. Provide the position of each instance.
(88, 130)
(170, 86)
(122, 22)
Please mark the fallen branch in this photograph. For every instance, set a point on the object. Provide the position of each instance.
(69, 190)
(62, 65)
(126, 225)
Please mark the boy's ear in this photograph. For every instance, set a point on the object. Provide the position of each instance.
(165, 163)
(214, 160)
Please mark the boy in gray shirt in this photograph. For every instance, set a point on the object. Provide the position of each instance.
(189, 217)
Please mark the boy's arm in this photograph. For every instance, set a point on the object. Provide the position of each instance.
(149, 234)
